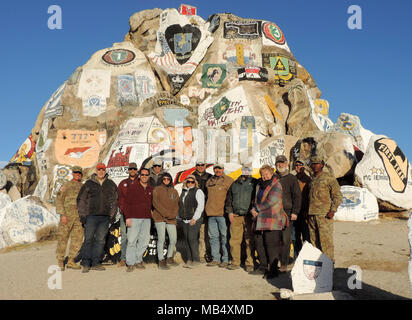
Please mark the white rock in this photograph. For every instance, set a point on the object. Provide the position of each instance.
(20, 220)
(386, 172)
(312, 272)
(351, 125)
(358, 204)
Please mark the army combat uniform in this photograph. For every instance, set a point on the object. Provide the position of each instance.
(66, 205)
(324, 196)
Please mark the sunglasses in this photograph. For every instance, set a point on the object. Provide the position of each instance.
(190, 181)
(101, 169)
(144, 175)
(156, 165)
(77, 172)
(133, 169)
(299, 165)
(166, 178)
(200, 165)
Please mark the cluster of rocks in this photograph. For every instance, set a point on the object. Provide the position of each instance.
(225, 89)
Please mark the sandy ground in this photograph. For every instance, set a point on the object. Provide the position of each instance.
(380, 248)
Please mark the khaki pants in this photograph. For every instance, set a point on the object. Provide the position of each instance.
(72, 228)
(241, 233)
(321, 234)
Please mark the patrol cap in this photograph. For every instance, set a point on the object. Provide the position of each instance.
(200, 162)
(219, 165)
(299, 161)
(316, 159)
(101, 165)
(77, 169)
(281, 158)
(157, 161)
(247, 171)
(132, 165)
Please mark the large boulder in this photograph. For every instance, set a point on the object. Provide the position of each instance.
(386, 172)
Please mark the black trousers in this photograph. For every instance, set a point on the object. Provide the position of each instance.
(268, 245)
(286, 237)
(191, 240)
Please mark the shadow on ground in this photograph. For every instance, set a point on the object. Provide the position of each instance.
(340, 283)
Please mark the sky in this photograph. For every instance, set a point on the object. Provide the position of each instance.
(364, 72)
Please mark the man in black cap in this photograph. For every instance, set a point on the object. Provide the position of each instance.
(291, 198)
(122, 191)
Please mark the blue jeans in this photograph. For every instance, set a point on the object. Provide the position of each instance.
(138, 237)
(123, 232)
(95, 233)
(217, 228)
(161, 228)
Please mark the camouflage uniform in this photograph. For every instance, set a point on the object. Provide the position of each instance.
(66, 205)
(324, 196)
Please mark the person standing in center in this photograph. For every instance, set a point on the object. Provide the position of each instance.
(191, 207)
(97, 206)
(217, 188)
(123, 187)
(204, 244)
(165, 209)
(270, 220)
(138, 214)
(291, 200)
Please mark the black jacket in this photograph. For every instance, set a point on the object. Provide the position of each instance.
(291, 194)
(97, 199)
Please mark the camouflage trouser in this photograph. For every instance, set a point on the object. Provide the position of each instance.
(241, 233)
(74, 228)
(321, 234)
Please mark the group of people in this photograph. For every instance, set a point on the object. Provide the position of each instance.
(217, 216)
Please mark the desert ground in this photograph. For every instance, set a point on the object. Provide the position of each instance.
(380, 248)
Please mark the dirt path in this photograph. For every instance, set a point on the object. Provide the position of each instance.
(380, 248)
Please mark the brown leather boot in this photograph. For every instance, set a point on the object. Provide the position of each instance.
(163, 265)
(60, 263)
(171, 262)
(72, 265)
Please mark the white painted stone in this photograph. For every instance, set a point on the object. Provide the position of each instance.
(358, 204)
(351, 125)
(386, 172)
(312, 272)
(20, 220)
(41, 188)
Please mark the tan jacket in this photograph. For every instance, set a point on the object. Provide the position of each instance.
(217, 188)
(165, 204)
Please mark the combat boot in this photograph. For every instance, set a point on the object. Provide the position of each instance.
(72, 265)
(60, 263)
(163, 265)
(171, 262)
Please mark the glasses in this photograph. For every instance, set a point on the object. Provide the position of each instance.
(299, 165)
(156, 165)
(166, 178)
(200, 165)
(101, 169)
(144, 175)
(77, 172)
(132, 169)
(190, 181)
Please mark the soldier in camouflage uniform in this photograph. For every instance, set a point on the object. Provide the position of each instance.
(324, 199)
(70, 224)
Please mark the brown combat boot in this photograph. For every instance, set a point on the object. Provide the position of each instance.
(171, 262)
(60, 263)
(72, 265)
(163, 265)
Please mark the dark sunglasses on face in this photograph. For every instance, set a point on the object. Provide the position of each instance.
(190, 181)
(101, 169)
(77, 172)
(156, 165)
(132, 169)
(200, 165)
(166, 178)
(144, 175)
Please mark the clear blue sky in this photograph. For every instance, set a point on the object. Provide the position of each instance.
(363, 72)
